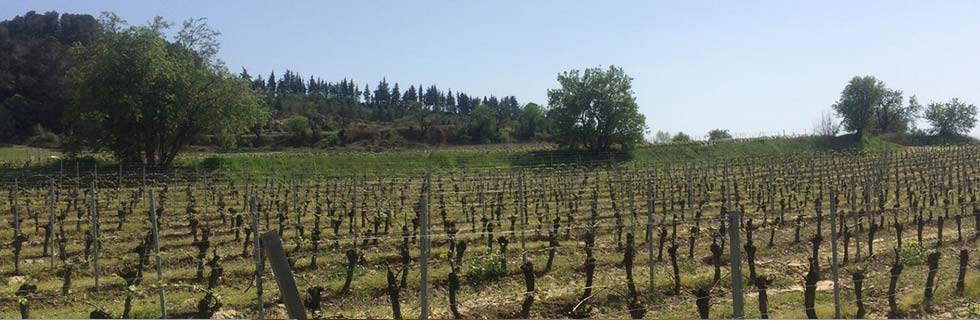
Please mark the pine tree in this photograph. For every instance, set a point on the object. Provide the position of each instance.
(245, 74)
(312, 87)
(258, 84)
(271, 82)
(410, 96)
(367, 94)
(431, 99)
(381, 93)
(450, 101)
(395, 96)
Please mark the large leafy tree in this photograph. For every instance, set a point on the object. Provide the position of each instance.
(866, 105)
(857, 103)
(596, 109)
(143, 97)
(532, 121)
(482, 126)
(951, 118)
(719, 134)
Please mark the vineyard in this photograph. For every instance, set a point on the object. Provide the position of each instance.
(816, 235)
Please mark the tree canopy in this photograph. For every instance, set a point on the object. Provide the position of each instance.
(34, 49)
(718, 134)
(144, 97)
(681, 137)
(951, 118)
(867, 105)
(596, 109)
(35, 89)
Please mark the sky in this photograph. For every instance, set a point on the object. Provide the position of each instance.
(753, 67)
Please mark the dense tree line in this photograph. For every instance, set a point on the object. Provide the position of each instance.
(420, 112)
(35, 93)
(867, 106)
(34, 56)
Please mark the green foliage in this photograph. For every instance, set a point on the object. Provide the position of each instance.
(482, 126)
(34, 49)
(43, 138)
(485, 268)
(596, 110)
(298, 125)
(857, 102)
(866, 105)
(718, 134)
(681, 137)
(971, 311)
(662, 137)
(951, 118)
(7, 127)
(913, 253)
(532, 121)
(148, 114)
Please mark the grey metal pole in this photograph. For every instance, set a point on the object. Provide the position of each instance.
(284, 275)
(736, 263)
(833, 251)
(156, 248)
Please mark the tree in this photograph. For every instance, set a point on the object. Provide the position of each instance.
(396, 95)
(681, 137)
(951, 118)
(144, 97)
(367, 94)
(891, 115)
(866, 105)
(482, 126)
(718, 134)
(34, 56)
(857, 103)
(450, 102)
(7, 129)
(299, 127)
(531, 121)
(661, 137)
(596, 110)
(271, 82)
(410, 95)
(381, 93)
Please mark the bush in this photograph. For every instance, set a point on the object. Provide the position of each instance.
(361, 133)
(484, 268)
(681, 137)
(212, 163)
(43, 138)
(719, 134)
(913, 253)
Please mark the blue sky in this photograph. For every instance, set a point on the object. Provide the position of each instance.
(748, 66)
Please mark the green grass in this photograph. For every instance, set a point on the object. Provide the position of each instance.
(442, 160)
(416, 161)
(19, 155)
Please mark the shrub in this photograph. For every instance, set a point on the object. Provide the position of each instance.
(43, 138)
(681, 137)
(484, 268)
(913, 253)
(719, 134)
